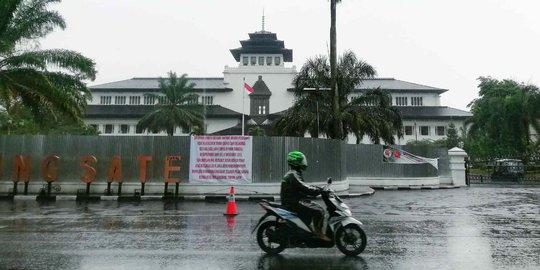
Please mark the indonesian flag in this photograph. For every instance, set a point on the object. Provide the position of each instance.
(248, 87)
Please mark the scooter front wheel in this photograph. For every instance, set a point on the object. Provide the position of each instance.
(351, 240)
(270, 238)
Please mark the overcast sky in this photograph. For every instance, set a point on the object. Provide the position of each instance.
(440, 43)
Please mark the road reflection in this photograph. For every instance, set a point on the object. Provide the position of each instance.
(276, 262)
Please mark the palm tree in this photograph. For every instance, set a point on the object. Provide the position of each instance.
(26, 76)
(369, 115)
(172, 110)
(373, 115)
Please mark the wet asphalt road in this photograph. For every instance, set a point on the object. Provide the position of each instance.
(468, 228)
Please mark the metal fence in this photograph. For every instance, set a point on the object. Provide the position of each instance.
(327, 158)
(366, 161)
(71, 149)
(503, 171)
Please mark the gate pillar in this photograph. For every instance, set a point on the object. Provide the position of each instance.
(457, 166)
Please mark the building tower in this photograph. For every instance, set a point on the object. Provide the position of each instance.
(260, 55)
(259, 101)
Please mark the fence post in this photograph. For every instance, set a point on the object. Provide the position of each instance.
(467, 163)
(457, 166)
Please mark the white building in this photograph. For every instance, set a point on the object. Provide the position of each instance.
(263, 64)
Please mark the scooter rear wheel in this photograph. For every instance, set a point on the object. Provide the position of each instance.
(270, 238)
(351, 240)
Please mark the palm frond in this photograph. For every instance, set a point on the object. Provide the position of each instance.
(71, 61)
(30, 20)
(172, 111)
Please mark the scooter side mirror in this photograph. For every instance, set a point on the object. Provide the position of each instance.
(329, 180)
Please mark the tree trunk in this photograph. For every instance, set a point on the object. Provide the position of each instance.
(338, 125)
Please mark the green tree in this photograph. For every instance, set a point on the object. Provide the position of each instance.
(256, 131)
(197, 130)
(21, 121)
(370, 114)
(503, 117)
(173, 109)
(442, 143)
(452, 137)
(47, 82)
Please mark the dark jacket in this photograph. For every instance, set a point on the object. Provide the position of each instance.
(293, 189)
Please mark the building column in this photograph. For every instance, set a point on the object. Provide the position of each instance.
(457, 166)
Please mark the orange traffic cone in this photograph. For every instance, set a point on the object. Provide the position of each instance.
(231, 205)
(231, 222)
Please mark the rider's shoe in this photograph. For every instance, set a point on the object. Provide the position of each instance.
(324, 237)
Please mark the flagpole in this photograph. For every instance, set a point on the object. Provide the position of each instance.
(243, 97)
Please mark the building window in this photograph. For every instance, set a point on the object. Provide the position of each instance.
(416, 101)
(424, 130)
(134, 100)
(207, 100)
(149, 100)
(138, 129)
(120, 100)
(261, 61)
(124, 129)
(245, 60)
(253, 60)
(439, 130)
(162, 100)
(194, 100)
(262, 109)
(105, 100)
(277, 60)
(109, 129)
(269, 60)
(409, 130)
(401, 101)
(185, 130)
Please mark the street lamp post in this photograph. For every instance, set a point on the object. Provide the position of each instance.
(317, 102)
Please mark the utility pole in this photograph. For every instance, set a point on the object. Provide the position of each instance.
(338, 125)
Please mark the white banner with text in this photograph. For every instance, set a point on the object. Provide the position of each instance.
(220, 159)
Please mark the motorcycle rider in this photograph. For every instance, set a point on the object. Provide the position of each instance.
(294, 193)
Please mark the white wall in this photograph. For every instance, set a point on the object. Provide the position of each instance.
(428, 99)
(278, 79)
(432, 124)
(212, 125)
(96, 97)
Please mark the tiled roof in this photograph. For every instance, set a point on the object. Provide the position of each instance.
(420, 112)
(138, 111)
(262, 42)
(146, 84)
(393, 85)
(432, 112)
(217, 85)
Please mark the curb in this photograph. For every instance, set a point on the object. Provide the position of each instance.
(414, 187)
(207, 198)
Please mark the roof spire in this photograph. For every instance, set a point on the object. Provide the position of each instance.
(263, 21)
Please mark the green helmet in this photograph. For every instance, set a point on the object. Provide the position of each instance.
(297, 160)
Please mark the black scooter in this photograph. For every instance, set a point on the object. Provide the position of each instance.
(279, 229)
